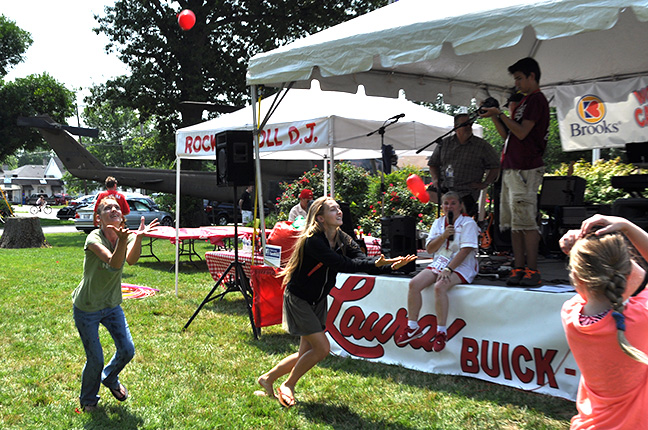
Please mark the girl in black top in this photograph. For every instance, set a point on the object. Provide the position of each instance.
(320, 253)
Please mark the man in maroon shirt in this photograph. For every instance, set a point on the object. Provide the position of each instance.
(526, 133)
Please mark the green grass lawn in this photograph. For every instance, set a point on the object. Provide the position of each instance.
(204, 377)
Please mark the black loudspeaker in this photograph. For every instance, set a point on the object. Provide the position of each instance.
(234, 159)
(398, 237)
(561, 191)
(635, 210)
(637, 153)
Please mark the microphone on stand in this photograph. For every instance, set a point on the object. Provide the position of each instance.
(450, 217)
(397, 116)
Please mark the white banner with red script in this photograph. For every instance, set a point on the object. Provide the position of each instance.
(310, 134)
(507, 336)
(602, 114)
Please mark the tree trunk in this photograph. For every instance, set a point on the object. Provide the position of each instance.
(23, 233)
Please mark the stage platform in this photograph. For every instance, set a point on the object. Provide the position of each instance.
(494, 269)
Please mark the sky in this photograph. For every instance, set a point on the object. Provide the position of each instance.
(64, 44)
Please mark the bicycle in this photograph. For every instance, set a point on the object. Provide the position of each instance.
(46, 209)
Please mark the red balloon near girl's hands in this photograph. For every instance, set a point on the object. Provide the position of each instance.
(186, 19)
(417, 187)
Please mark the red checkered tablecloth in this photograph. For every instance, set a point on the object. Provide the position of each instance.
(373, 250)
(219, 261)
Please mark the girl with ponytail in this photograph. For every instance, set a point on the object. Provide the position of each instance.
(607, 322)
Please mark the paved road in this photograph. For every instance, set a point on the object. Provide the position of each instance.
(23, 211)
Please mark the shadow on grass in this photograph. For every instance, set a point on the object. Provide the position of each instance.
(113, 417)
(275, 343)
(340, 417)
(456, 385)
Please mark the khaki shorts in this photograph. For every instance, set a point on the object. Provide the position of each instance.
(519, 199)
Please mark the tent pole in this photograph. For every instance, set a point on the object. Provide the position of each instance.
(177, 223)
(325, 159)
(332, 171)
(596, 154)
(257, 164)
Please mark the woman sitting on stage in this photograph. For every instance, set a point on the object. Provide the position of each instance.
(607, 322)
(453, 241)
(320, 253)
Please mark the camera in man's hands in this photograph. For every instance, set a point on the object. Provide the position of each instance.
(488, 103)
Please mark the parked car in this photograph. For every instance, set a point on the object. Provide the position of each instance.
(139, 206)
(69, 211)
(61, 199)
(83, 200)
(221, 213)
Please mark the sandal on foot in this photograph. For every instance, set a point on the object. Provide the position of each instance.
(286, 400)
(117, 393)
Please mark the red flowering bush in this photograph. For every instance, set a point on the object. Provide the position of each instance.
(362, 191)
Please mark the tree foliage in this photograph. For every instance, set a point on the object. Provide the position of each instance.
(35, 94)
(207, 63)
(124, 140)
(14, 42)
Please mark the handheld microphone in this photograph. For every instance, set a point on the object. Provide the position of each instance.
(450, 217)
(397, 116)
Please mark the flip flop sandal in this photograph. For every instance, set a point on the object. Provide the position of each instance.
(116, 392)
(280, 397)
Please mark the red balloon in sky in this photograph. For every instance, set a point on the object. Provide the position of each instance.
(186, 19)
(417, 187)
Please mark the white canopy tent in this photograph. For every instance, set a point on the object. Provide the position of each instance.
(313, 124)
(317, 125)
(426, 48)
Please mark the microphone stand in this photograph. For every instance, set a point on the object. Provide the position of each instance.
(381, 131)
(471, 118)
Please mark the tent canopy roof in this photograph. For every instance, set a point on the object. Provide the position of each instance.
(427, 48)
(348, 118)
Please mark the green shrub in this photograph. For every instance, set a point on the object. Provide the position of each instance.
(599, 190)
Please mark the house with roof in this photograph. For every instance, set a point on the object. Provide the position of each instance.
(31, 179)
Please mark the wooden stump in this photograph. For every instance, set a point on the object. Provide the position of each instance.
(23, 233)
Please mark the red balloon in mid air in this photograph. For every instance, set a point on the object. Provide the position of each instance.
(417, 187)
(186, 19)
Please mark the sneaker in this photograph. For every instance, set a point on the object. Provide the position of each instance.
(516, 275)
(531, 278)
(439, 341)
(408, 335)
